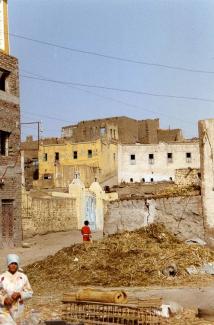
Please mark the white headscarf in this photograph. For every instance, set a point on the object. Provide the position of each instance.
(13, 258)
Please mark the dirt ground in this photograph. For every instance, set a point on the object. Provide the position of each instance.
(198, 295)
(42, 246)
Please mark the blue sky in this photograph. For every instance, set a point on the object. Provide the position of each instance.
(175, 33)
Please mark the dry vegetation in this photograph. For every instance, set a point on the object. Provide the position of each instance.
(129, 259)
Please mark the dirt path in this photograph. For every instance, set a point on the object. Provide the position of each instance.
(42, 246)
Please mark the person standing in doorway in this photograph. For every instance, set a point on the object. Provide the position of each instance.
(14, 290)
(86, 232)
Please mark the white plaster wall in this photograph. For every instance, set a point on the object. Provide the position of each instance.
(161, 170)
(182, 216)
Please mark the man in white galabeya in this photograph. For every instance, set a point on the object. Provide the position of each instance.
(14, 289)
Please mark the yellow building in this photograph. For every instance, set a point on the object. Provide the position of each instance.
(58, 163)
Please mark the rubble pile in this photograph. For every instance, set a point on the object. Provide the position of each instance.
(138, 258)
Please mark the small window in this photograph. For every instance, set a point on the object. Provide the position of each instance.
(89, 153)
(131, 180)
(143, 180)
(132, 159)
(4, 137)
(3, 76)
(169, 157)
(45, 156)
(56, 156)
(75, 155)
(151, 158)
(170, 178)
(102, 131)
(35, 162)
(152, 180)
(188, 157)
(47, 176)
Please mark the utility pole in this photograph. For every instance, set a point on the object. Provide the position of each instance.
(38, 129)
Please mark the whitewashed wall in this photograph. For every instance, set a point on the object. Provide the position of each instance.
(161, 169)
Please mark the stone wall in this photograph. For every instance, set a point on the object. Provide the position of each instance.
(46, 213)
(10, 162)
(170, 135)
(187, 177)
(181, 215)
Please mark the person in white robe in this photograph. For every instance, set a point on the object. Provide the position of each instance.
(14, 290)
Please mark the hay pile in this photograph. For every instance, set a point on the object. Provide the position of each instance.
(129, 259)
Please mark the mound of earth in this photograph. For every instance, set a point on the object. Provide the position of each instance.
(134, 258)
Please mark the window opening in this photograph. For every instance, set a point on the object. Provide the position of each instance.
(75, 154)
(45, 156)
(132, 159)
(151, 158)
(169, 157)
(3, 77)
(102, 131)
(188, 157)
(4, 137)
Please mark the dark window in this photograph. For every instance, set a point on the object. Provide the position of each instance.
(89, 153)
(152, 180)
(56, 155)
(169, 157)
(131, 180)
(170, 178)
(132, 159)
(188, 157)
(47, 176)
(143, 180)
(45, 157)
(151, 158)
(3, 76)
(4, 136)
(75, 154)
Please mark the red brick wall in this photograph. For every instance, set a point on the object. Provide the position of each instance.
(10, 166)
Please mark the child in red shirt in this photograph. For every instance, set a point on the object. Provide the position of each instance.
(86, 231)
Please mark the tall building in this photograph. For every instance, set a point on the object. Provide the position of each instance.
(10, 166)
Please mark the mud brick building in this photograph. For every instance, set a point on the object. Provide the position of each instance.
(121, 129)
(10, 166)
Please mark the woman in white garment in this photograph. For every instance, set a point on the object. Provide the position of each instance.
(14, 289)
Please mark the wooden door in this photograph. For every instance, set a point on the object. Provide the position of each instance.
(7, 223)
